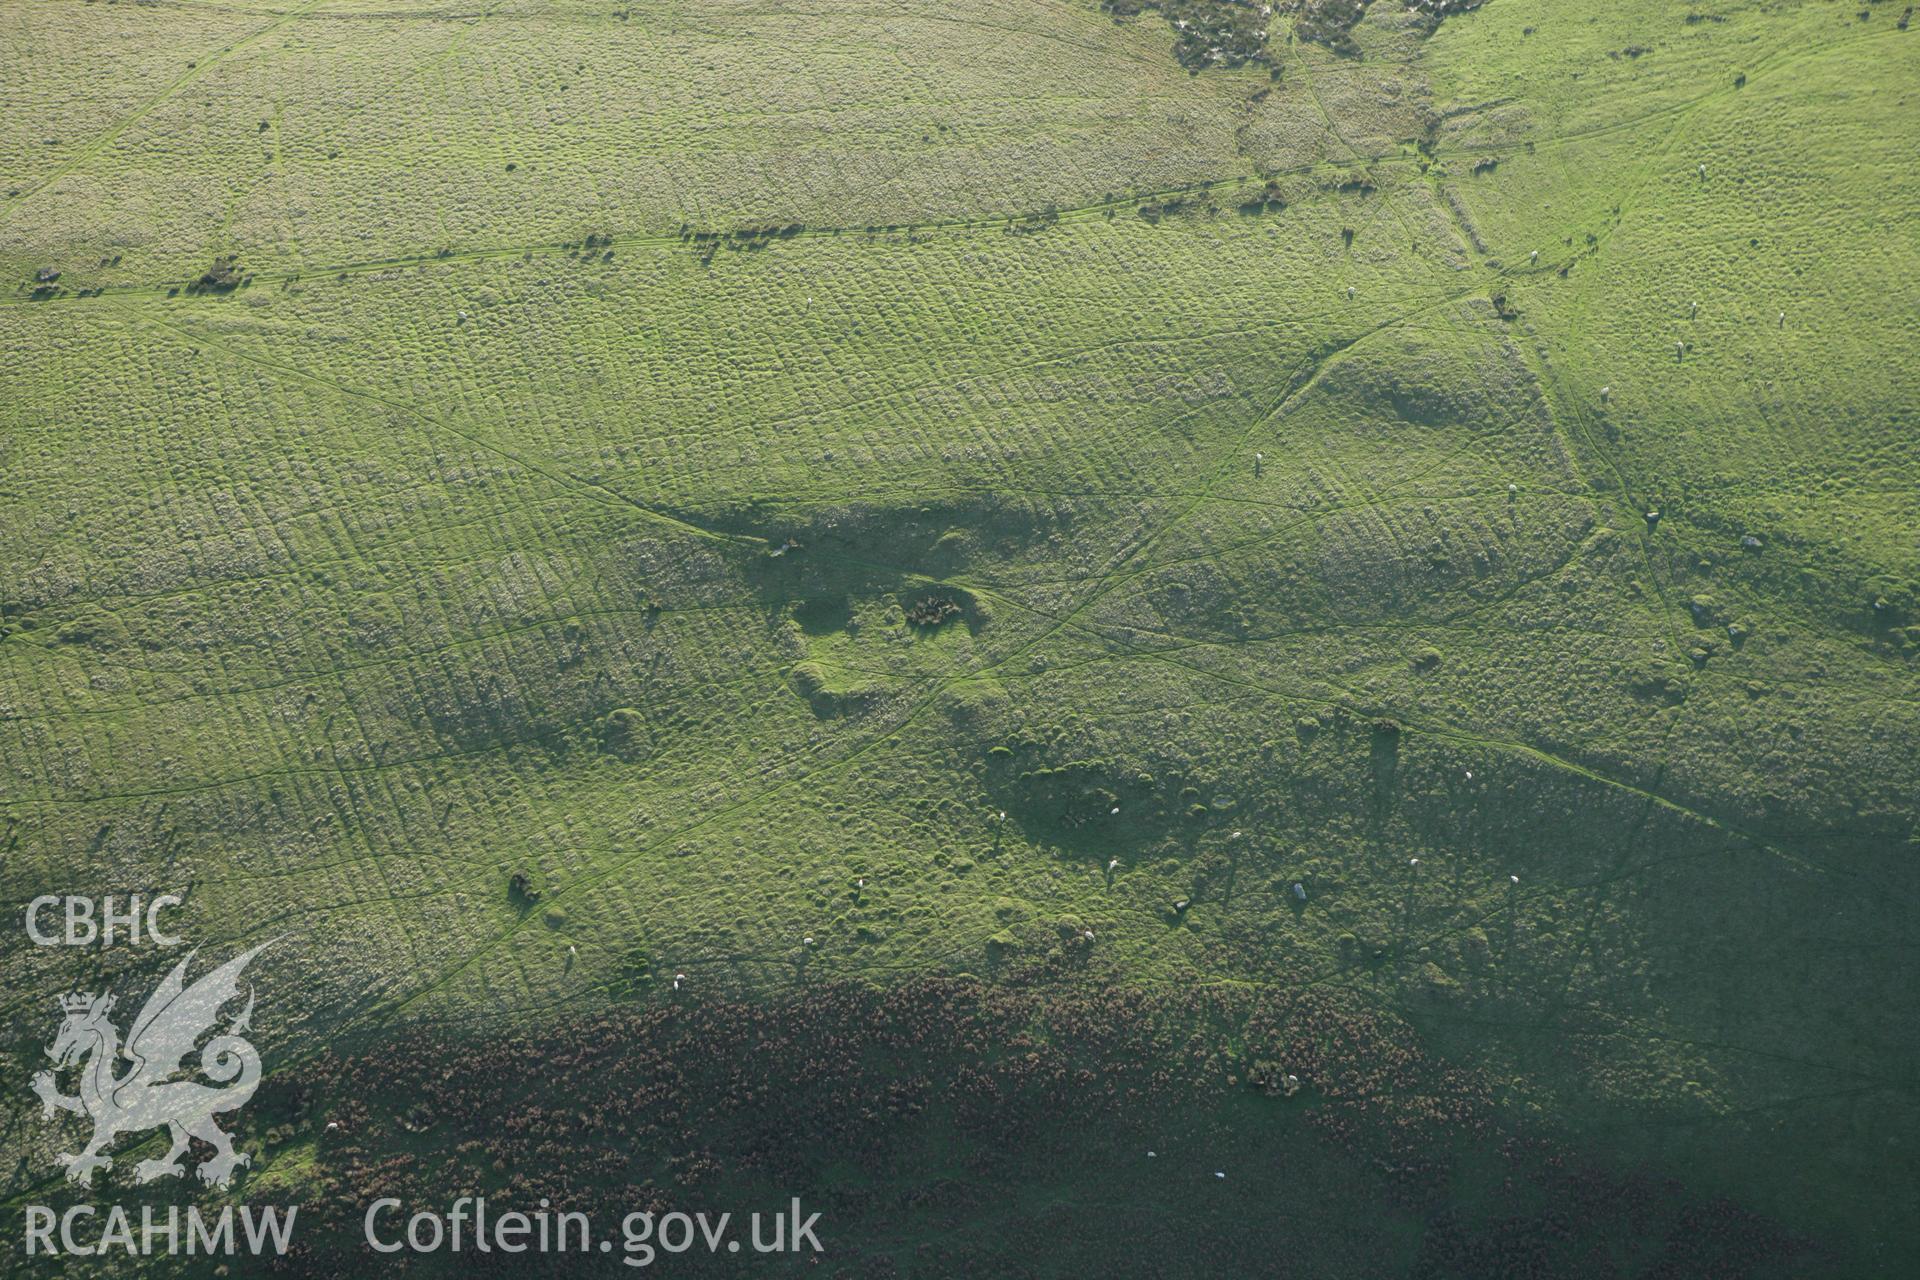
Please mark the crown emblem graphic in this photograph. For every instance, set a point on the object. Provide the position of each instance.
(78, 1002)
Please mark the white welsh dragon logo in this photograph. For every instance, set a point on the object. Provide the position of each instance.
(144, 1097)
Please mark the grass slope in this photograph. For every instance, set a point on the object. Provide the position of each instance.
(1296, 514)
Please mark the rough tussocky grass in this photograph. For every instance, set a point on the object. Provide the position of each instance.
(1299, 517)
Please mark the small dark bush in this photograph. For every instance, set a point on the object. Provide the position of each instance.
(222, 277)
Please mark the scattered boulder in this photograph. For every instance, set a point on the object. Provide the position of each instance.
(933, 611)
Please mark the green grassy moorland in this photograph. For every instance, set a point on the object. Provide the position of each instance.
(525, 498)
